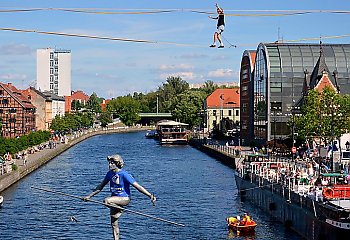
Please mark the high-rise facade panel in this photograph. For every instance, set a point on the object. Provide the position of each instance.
(54, 71)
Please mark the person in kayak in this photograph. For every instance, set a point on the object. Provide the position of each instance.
(119, 181)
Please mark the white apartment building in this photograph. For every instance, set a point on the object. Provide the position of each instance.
(53, 71)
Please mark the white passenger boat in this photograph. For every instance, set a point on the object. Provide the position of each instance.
(1, 201)
(171, 132)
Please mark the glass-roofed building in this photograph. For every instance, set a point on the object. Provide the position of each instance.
(278, 78)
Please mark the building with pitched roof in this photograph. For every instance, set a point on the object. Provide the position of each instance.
(16, 112)
(281, 76)
(79, 96)
(48, 106)
(221, 104)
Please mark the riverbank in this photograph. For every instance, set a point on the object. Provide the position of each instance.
(39, 158)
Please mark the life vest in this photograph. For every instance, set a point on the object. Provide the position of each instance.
(328, 193)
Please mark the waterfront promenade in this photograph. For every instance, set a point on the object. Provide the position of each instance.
(40, 157)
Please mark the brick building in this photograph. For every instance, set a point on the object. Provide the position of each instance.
(16, 112)
(48, 106)
(79, 96)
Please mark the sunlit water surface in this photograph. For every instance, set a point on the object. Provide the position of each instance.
(192, 188)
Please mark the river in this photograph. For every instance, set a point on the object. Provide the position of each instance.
(192, 188)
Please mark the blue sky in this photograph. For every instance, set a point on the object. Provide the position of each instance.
(115, 68)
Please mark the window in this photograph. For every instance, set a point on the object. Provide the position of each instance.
(237, 112)
(276, 106)
(12, 110)
(244, 107)
(1, 92)
(12, 120)
(230, 112)
(51, 70)
(1, 111)
(51, 63)
(214, 112)
(5, 101)
(276, 87)
(51, 55)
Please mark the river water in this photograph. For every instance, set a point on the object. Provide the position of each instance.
(192, 188)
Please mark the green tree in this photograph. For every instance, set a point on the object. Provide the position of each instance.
(324, 114)
(105, 118)
(76, 105)
(188, 107)
(169, 92)
(94, 103)
(126, 108)
(209, 87)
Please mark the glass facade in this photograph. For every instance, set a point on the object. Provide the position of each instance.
(279, 74)
(260, 95)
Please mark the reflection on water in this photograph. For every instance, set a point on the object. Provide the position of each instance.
(192, 188)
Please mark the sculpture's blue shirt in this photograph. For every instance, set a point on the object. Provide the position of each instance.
(119, 183)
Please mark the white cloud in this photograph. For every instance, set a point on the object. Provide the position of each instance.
(13, 76)
(193, 56)
(187, 76)
(178, 67)
(15, 49)
(223, 73)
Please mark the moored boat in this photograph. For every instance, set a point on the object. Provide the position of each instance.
(171, 132)
(309, 212)
(151, 134)
(1, 201)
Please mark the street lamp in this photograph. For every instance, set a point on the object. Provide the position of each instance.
(157, 103)
(221, 109)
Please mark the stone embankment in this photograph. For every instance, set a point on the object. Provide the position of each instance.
(39, 158)
(223, 153)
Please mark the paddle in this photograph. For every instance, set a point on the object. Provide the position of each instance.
(108, 205)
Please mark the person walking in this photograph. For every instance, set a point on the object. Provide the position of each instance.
(220, 26)
(120, 181)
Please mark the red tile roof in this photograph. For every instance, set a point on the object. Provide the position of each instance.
(324, 81)
(225, 98)
(104, 104)
(252, 58)
(17, 95)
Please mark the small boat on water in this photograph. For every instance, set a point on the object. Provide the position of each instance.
(247, 225)
(1, 201)
(151, 134)
(243, 228)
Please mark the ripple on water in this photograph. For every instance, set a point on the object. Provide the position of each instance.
(191, 187)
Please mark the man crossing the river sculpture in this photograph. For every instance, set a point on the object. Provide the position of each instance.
(219, 27)
(120, 181)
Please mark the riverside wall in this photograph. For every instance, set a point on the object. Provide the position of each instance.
(225, 154)
(38, 159)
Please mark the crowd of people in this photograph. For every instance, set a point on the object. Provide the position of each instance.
(236, 221)
(9, 161)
